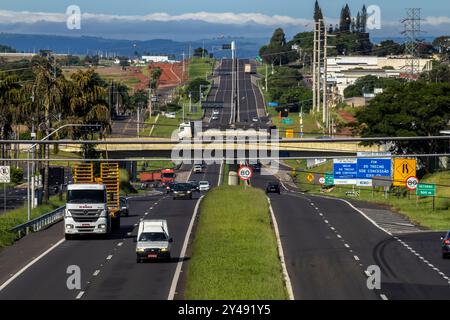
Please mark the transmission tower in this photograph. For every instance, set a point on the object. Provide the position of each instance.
(411, 32)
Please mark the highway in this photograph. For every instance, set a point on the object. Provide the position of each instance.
(108, 266)
(328, 245)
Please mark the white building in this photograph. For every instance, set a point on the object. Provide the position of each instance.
(343, 71)
(156, 59)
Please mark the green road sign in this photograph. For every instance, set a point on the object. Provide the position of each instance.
(426, 190)
(259, 59)
(329, 179)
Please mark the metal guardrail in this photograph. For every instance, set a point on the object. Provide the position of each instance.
(41, 222)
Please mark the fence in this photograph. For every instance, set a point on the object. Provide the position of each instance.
(41, 222)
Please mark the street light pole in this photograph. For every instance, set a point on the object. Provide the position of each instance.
(28, 160)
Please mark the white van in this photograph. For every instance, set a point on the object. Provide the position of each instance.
(153, 240)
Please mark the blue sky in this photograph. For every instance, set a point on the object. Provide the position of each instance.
(391, 9)
(199, 19)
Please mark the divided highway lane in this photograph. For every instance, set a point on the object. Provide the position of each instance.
(221, 93)
(247, 94)
(108, 267)
(328, 246)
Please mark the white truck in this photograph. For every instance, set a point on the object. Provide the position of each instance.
(86, 210)
(93, 204)
(153, 240)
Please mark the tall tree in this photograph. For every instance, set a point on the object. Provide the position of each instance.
(358, 23)
(346, 19)
(363, 21)
(317, 12)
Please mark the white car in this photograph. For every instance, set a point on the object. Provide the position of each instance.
(204, 186)
(255, 119)
(171, 115)
(198, 168)
(153, 240)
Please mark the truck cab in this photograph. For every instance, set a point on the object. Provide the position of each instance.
(153, 240)
(86, 210)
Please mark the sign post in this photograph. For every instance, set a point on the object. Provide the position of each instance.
(5, 177)
(245, 173)
(427, 190)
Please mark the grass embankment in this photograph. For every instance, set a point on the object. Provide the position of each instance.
(235, 251)
(200, 67)
(18, 216)
(418, 209)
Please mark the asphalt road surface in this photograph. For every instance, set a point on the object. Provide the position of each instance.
(108, 266)
(328, 246)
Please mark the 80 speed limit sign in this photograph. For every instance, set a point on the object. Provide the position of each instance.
(245, 173)
(412, 183)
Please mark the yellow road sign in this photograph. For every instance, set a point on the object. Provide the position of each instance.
(310, 177)
(290, 133)
(403, 169)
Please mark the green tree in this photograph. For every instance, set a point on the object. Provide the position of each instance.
(439, 73)
(367, 84)
(193, 87)
(346, 19)
(363, 19)
(411, 109)
(317, 12)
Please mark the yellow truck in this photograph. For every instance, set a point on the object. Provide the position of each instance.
(93, 203)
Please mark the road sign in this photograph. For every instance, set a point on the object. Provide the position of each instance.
(322, 180)
(426, 190)
(345, 171)
(272, 104)
(411, 183)
(245, 173)
(289, 133)
(329, 179)
(226, 47)
(371, 167)
(259, 59)
(5, 174)
(310, 177)
(403, 169)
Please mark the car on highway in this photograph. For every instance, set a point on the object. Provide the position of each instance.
(171, 115)
(195, 185)
(124, 206)
(273, 187)
(182, 191)
(255, 119)
(257, 167)
(215, 117)
(204, 185)
(446, 245)
(153, 240)
(169, 187)
(198, 168)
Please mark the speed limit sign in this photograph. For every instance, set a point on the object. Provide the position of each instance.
(411, 183)
(245, 173)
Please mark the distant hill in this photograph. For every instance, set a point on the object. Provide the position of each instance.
(6, 49)
(247, 48)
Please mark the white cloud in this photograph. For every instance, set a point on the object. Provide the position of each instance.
(436, 21)
(209, 17)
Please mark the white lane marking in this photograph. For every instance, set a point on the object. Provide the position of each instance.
(367, 273)
(339, 236)
(356, 258)
(109, 257)
(220, 174)
(96, 273)
(383, 297)
(18, 273)
(120, 244)
(346, 245)
(281, 254)
(176, 276)
(79, 295)
(326, 221)
(332, 228)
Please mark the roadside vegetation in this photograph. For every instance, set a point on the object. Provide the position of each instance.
(418, 210)
(18, 216)
(235, 251)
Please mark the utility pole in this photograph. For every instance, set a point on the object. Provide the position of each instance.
(324, 83)
(138, 119)
(412, 30)
(267, 80)
(184, 66)
(319, 61)
(314, 68)
(150, 107)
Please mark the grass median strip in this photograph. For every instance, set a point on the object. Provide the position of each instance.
(235, 250)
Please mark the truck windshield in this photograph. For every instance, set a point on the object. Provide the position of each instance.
(153, 236)
(86, 196)
(168, 175)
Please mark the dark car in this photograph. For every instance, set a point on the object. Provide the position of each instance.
(257, 167)
(124, 207)
(169, 187)
(182, 190)
(446, 245)
(273, 187)
(195, 185)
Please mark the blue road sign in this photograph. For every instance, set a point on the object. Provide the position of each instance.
(273, 104)
(345, 171)
(371, 167)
